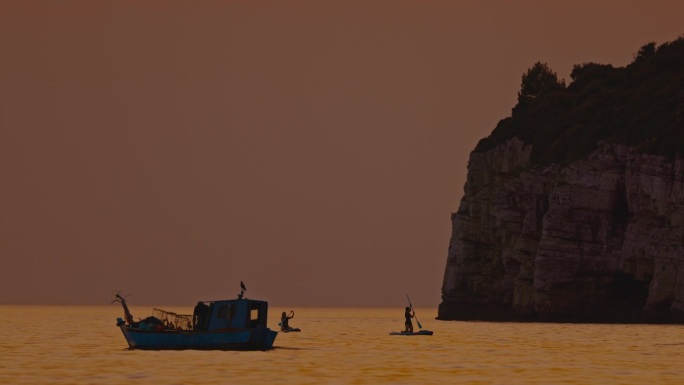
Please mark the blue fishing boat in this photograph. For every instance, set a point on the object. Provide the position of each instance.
(234, 324)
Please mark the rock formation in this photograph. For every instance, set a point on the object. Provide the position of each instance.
(595, 238)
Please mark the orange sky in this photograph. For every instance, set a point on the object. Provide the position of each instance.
(312, 149)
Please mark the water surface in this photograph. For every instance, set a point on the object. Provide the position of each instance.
(82, 345)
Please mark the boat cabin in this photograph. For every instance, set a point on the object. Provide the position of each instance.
(230, 314)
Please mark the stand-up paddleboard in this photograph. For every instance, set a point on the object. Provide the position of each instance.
(291, 330)
(418, 333)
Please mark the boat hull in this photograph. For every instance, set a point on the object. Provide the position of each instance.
(246, 339)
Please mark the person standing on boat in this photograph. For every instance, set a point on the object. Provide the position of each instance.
(408, 314)
(199, 317)
(284, 320)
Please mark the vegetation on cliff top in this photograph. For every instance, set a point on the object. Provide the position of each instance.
(641, 104)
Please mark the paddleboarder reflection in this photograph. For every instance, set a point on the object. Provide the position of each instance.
(284, 320)
(408, 314)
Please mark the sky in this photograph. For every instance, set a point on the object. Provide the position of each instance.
(313, 149)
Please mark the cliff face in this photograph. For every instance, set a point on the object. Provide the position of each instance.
(600, 239)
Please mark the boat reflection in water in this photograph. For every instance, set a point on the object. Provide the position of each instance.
(237, 324)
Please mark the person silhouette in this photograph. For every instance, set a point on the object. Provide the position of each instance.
(408, 325)
(285, 319)
(199, 316)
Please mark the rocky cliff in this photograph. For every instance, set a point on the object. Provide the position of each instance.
(598, 237)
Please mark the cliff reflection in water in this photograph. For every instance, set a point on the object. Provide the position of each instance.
(81, 345)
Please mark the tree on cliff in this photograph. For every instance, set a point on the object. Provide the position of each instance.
(641, 105)
(537, 81)
(646, 51)
(591, 71)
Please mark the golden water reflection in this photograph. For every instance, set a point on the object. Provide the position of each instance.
(81, 345)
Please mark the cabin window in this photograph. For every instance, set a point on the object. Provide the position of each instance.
(254, 314)
(223, 312)
(226, 311)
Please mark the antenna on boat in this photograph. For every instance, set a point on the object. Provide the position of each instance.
(122, 300)
(243, 289)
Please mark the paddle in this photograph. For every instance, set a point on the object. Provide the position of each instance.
(414, 312)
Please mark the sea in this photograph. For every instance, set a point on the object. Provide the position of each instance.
(82, 345)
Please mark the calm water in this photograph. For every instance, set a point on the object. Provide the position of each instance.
(81, 345)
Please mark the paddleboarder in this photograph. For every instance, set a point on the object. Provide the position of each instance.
(284, 320)
(408, 314)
